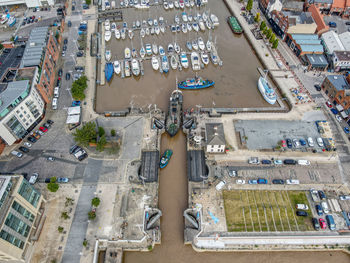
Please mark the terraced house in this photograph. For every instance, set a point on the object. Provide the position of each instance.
(21, 218)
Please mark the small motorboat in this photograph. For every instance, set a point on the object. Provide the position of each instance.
(161, 20)
(189, 27)
(194, 44)
(113, 26)
(155, 62)
(127, 68)
(108, 35)
(184, 17)
(187, 3)
(202, 25)
(173, 28)
(134, 53)
(205, 15)
(184, 28)
(142, 52)
(209, 24)
(171, 5)
(214, 58)
(184, 60)
(155, 22)
(177, 19)
(125, 24)
(165, 158)
(123, 33)
(117, 68)
(135, 67)
(142, 32)
(177, 48)
(113, 4)
(170, 48)
(138, 23)
(192, 3)
(152, 30)
(195, 27)
(117, 34)
(161, 51)
(176, 4)
(109, 71)
(165, 4)
(150, 21)
(126, 3)
(107, 25)
(165, 64)
(182, 4)
(127, 53)
(108, 55)
(214, 19)
(148, 49)
(157, 30)
(162, 28)
(131, 34)
(190, 18)
(195, 83)
(147, 31)
(205, 58)
(195, 61)
(201, 44)
(173, 61)
(144, 23)
(208, 45)
(189, 45)
(178, 28)
(155, 49)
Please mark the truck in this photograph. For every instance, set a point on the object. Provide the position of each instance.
(314, 195)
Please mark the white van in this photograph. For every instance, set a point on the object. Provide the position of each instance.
(292, 181)
(325, 207)
(303, 162)
(54, 104)
(56, 92)
(220, 185)
(33, 178)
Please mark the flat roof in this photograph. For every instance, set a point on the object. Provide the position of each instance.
(74, 110)
(12, 92)
(342, 55)
(149, 166)
(317, 60)
(345, 40)
(196, 167)
(332, 42)
(338, 81)
(73, 119)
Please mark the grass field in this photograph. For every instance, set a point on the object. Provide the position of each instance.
(261, 211)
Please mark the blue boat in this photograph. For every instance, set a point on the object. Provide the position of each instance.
(195, 83)
(165, 158)
(109, 71)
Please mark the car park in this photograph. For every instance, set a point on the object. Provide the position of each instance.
(240, 181)
(33, 178)
(289, 162)
(296, 143)
(301, 213)
(322, 223)
(220, 185)
(315, 223)
(278, 181)
(278, 162)
(310, 141)
(319, 210)
(265, 161)
(43, 129)
(253, 182)
(320, 142)
(62, 180)
(23, 149)
(289, 143)
(27, 144)
(17, 154)
(32, 139)
(262, 181)
(322, 195)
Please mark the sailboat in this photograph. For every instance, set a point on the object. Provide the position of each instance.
(131, 34)
(195, 27)
(157, 30)
(134, 53)
(176, 4)
(177, 48)
(214, 19)
(194, 44)
(135, 67)
(117, 68)
(171, 5)
(208, 45)
(155, 63)
(147, 31)
(152, 30)
(201, 25)
(195, 61)
(108, 55)
(165, 4)
(117, 34)
(123, 33)
(113, 26)
(148, 49)
(189, 45)
(142, 32)
(189, 27)
(107, 25)
(162, 29)
(127, 68)
(190, 18)
(177, 19)
(184, 17)
(187, 3)
(182, 4)
(142, 52)
(184, 28)
(161, 51)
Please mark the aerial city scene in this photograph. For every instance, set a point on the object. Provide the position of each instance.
(142, 131)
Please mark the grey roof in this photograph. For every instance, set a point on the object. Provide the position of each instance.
(295, 17)
(35, 47)
(345, 40)
(293, 5)
(12, 92)
(321, 1)
(317, 60)
(149, 166)
(332, 42)
(215, 134)
(338, 81)
(196, 167)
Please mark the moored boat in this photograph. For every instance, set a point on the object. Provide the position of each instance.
(214, 19)
(177, 48)
(208, 45)
(164, 160)
(165, 64)
(161, 51)
(195, 83)
(205, 58)
(117, 34)
(173, 62)
(108, 55)
(142, 52)
(155, 63)
(155, 48)
(184, 28)
(189, 45)
(170, 48)
(127, 68)
(108, 35)
(127, 53)
(148, 49)
(266, 90)
(195, 44)
(173, 118)
(234, 24)
(116, 66)
(109, 71)
(195, 61)
(135, 67)
(184, 60)
(201, 44)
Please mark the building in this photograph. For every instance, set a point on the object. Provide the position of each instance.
(21, 108)
(345, 40)
(21, 218)
(337, 7)
(294, 6)
(316, 61)
(28, 3)
(318, 18)
(331, 42)
(302, 44)
(215, 138)
(341, 60)
(323, 5)
(267, 6)
(42, 51)
(338, 90)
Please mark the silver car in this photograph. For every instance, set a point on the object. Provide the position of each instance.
(296, 143)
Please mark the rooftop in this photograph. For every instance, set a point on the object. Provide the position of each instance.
(332, 42)
(12, 92)
(317, 60)
(299, 17)
(35, 47)
(320, 1)
(308, 42)
(318, 17)
(292, 5)
(215, 134)
(342, 55)
(345, 40)
(196, 167)
(338, 81)
(149, 166)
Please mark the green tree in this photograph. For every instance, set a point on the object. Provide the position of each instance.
(95, 201)
(249, 5)
(257, 18)
(53, 186)
(1, 46)
(65, 215)
(92, 215)
(85, 243)
(78, 88)
(101, 144)
(262, 25)
(272, 38)
(266, 29)
(268, 34)
(101, 131)
(275, 44)
(85, 134)
(88, 2)
(113, 133)
(60, 229)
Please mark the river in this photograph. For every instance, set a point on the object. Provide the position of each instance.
(173, 201)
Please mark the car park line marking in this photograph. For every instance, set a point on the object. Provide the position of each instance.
(267, 225)
(279, 210)
(250, 211)
(257, 211)
(273, 216)
(285, 210)
(245, 224)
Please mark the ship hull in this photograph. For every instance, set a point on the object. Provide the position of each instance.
(263, 90)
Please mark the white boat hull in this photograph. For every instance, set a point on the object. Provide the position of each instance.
(270, 99)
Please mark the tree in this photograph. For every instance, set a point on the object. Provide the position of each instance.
(95, 201)
(262, 25)
(65, 215)
(101, 131)
(78, 88)
(113, 133)
(60, 229)
(85, 134)
(249, 5)
(85, 242)
(275, 44)
(101, 143)
(266, 29)
(53, 186)
(1, 46)
(268, 34)
(272, 38)
(257, 18)
(92, 215)
(88, 2)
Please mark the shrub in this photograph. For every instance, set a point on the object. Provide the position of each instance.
(101, 131)
(60, 229)
(113, 133)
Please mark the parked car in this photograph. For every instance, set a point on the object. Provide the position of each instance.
(253, 160)
(317, 87)
(40, 133)
(289, 143)
(253, 182)
(64, 48)
(344, 197)
(334, 111)
(301, 213)
(303, 162)
(262, 181)
(67, 76)
(33, 178)
(65, 41)
(302, 142)
(220, 185)
(315, 223)
(332, 24)
(23, 149)
(17, 154)
(47, 126)
(322, 223)
(265, 161)
(302, 207)
(278, 181)
(319, 210)
(346, 130)
(80, 54)
(27, 144)
(69, 23)
(322, 195)
(240, 181)
(292, 181)
(50, 158)
(325, 207)
(74, 148)
(289, 162)
(50, 122)
(283, 143)
(36, 135)
(329, 105)
(320, 142)
(43, 129)
(296, 143)
(54, 103)
(339, 119)
(60, 72)
(76, 103)
(278, 162)
(330, 222)
(62, 180)
(310, 141)
(83, 156)
(32, 139)
(47, 180)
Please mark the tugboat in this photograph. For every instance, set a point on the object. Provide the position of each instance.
(173, 119)
(195, 83)
(165, 158)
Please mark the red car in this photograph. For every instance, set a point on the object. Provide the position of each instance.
(43, 129)
(322, 223)
(283, 143)
(329, 105)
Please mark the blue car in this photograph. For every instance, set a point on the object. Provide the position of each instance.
(302, 142)
(262, 181)
(334, 111)
(346, 130)
(76, 103)
(253, 182)
(319, 210)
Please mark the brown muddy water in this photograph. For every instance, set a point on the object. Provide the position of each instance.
(236, 80)
(173, 201)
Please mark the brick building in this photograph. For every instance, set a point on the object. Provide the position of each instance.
(338, 90)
